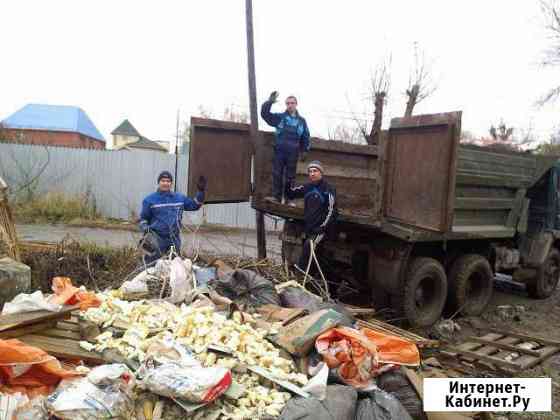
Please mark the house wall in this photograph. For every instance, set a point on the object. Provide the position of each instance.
(120, 140)
(51, 138)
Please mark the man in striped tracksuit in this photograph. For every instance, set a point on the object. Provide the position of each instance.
(162, 214)
(320, 209)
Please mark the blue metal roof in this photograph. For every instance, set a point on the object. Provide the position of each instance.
(54, 118)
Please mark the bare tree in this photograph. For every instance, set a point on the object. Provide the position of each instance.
(420, 82)
(502, 133)
(380, 85)
(551, 13)
(347, 133)
(22, 174)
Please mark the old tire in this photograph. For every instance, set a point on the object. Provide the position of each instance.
(424, 294)
(545, 282)
(471, 283)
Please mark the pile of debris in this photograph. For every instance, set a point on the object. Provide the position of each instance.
(182, 341)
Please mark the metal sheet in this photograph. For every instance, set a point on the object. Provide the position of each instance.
(221, 151)
(420, 170)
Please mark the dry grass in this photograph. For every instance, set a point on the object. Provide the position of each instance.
(96, 267)
(56, 207)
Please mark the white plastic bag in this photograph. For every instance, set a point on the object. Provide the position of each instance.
(180, 279)
(194, 384)
(139, 284)
(317, 385)
(28, 302)
(9, 403)
(105, 393)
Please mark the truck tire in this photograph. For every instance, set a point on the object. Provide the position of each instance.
(545, 282)
(471, 283)
(424, 293)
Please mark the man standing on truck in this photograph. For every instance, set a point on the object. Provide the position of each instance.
(292, 141)
(162, 214)
(319, 212)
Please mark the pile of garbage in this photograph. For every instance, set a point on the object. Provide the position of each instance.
(207, 346)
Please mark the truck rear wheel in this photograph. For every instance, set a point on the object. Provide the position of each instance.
(471, 284)
(424, 293)
(545, 282)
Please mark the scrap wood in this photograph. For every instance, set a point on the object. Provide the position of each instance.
(284, 384)
(377, 325)
(275, 313)
(62, 348)
(506, 350)
(27, 329)
(13, 321)
(358, 311)
(417, 381)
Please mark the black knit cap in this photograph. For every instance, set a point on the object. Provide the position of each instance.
(165, 174)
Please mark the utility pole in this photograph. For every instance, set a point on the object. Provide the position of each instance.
(176, 151)
(261, 238)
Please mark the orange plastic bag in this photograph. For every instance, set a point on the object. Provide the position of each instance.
(393, 349)
(29, 369)
(67, 294)
(358, 355)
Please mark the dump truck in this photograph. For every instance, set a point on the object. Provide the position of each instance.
(424, 222)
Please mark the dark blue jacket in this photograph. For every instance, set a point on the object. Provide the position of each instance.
(319, 205)
(291, 131)
(162, 212)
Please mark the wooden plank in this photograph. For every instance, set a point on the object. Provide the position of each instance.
(471, 345)
(68, 326)
(527, 337)
(526, 178)
(384, 327)
(8, 322)
(418, 385)
(526, 362)
(218, 124)
(426, 120)
(486, 156)
(27, 329)
(504, 346)
(58, 333)
(469, 178)
(62, 348)
(494, 360)
(484, 203)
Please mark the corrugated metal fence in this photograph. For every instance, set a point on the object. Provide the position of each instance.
(117, 180)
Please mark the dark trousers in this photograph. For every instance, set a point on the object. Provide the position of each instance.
(306, 251)
(164, 246)
(285, 163)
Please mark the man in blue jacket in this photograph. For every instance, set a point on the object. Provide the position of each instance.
(292, 140)
(319, 211)
(162, 214)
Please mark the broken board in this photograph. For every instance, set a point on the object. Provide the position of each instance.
(57, 333)
(384, 327)
(10, 322)
(509, 351)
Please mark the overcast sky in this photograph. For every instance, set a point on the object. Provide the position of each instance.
(142, 60)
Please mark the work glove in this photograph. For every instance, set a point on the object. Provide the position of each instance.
(303, 156)
(202, 183)
(144, 227)
(273, 96)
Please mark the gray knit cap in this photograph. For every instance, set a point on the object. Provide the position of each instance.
(315, 164)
